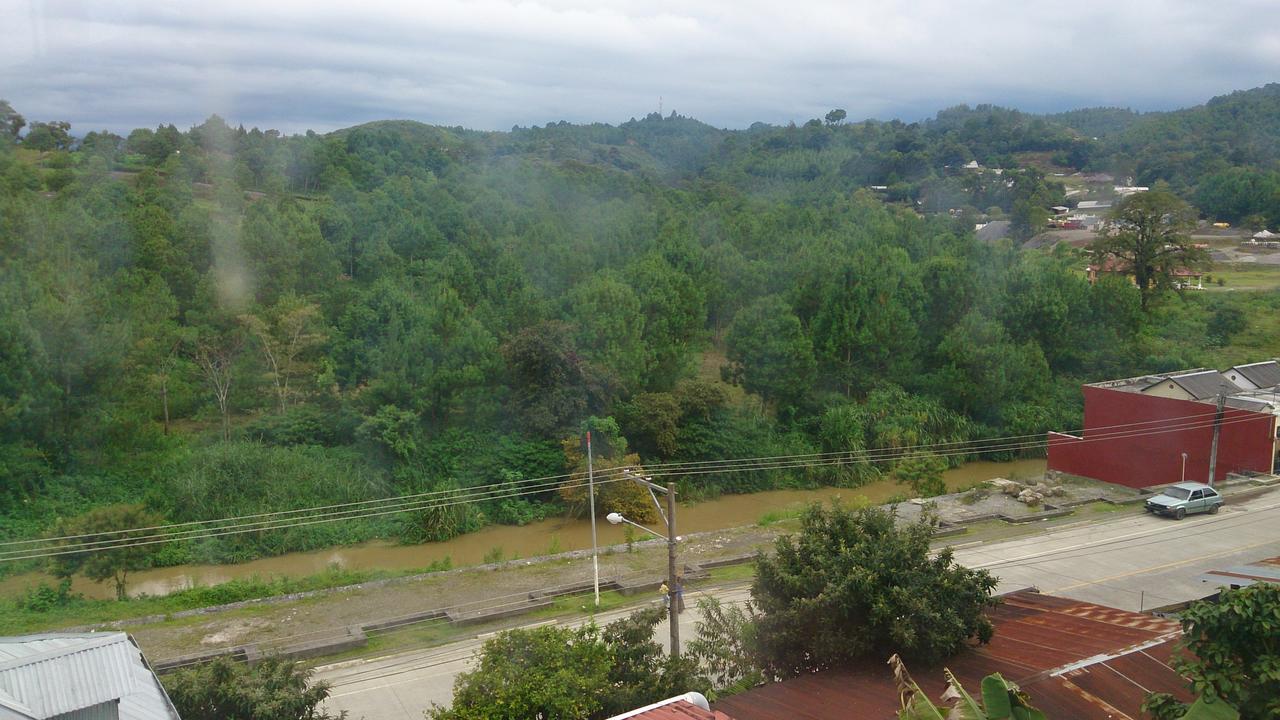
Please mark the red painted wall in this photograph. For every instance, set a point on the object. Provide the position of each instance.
(1115, 450)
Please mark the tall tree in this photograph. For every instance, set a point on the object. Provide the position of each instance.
(104, 544)
(769, 353)
(216, 351)
(287, 335)
(11, 122)
(1148, 237)
(856, 583)
(46, 136)
(865, 326)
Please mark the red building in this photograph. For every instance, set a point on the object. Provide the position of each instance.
(1158, 429)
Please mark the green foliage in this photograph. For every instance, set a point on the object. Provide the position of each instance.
(726, 646)
(923, 473)
(47, 136)
(241, 478)
(11, 122)
(448, 514)
(43, 597)
(554, 672)
(1001, 699)
(855, 583)
(1232, 653)
(109, 543)
(769, 352)
(270, 689)
(398, 308)
(1148, 237)
(391, 430)
(1225, 323)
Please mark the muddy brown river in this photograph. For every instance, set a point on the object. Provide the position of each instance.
(540, 538)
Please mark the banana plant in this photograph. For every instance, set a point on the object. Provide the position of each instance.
(1001, 699)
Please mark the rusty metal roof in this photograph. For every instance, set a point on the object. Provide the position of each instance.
(690, 706)
(681, 710)
(1075, 659)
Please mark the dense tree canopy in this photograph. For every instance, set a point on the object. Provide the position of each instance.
(270, 689)
(1148, 237)
(1233, 653)
(396, 308)
(853, 584)
(552, 672)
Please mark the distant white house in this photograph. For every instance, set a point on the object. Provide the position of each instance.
(1127, 190)
(1093, 205)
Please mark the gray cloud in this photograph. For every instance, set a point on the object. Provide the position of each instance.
(490, 64)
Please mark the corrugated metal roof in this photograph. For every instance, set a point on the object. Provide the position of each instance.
(1075, 659)
(1263, 374)
(1203, 384)
(54, 674)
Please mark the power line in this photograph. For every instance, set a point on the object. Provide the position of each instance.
(124, 538)
(876, 453)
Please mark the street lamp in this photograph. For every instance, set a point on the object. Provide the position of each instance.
(1184, 467)
(616, 518)
(591, 493)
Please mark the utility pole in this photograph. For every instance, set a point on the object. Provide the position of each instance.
(1217, 431)
(672, 610)
(591, 492)
(673, 604)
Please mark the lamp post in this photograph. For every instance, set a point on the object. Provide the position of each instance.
(1184, 467)
(671, 538)
(591, 492)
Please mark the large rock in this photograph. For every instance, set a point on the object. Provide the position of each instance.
(1030, 497)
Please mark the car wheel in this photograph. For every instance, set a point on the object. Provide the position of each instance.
(1180, 513)
(1213, 509)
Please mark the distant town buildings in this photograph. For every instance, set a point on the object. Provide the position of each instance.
(1185, 278)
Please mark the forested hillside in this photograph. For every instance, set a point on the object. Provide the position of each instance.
(217, 321)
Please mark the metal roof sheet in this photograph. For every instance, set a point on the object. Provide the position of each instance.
(1264, 374)
(1266, 570)
(1075, 659)
(47, 675)
(1203, 384)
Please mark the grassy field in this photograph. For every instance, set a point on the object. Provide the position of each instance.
(1241, 276)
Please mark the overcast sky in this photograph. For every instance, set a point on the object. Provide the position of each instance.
(491, 64)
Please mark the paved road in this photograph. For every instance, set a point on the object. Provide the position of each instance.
(1133, 562)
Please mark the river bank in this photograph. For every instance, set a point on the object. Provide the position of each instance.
(505, 542)
(425, 608)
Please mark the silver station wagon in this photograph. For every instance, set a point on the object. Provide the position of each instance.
(1184, 499)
